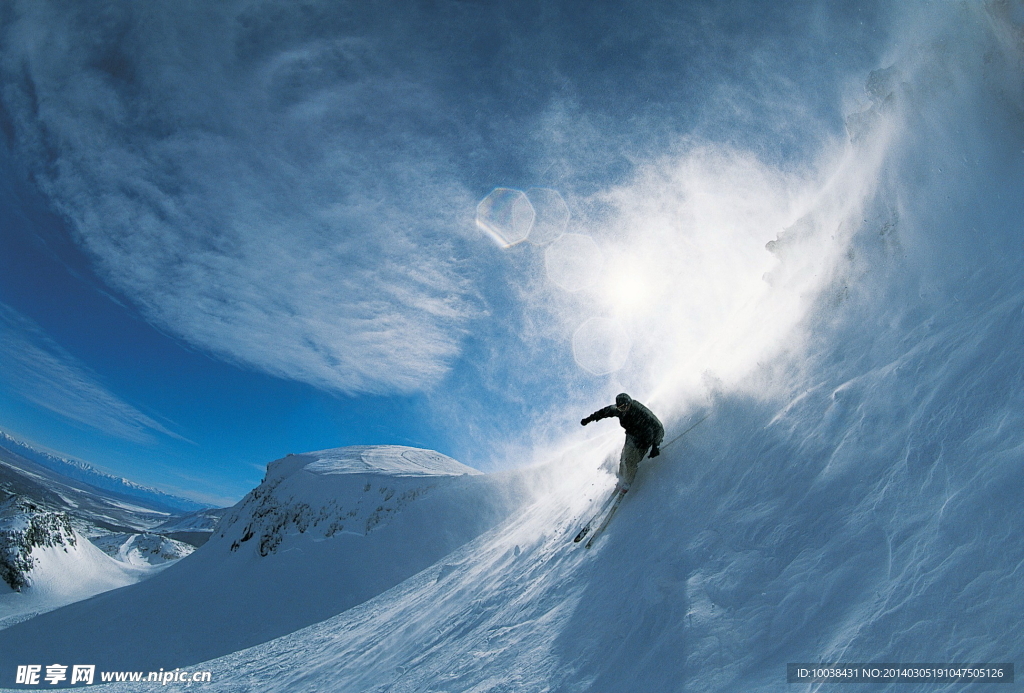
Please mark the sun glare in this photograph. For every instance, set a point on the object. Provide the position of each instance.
(627, 289)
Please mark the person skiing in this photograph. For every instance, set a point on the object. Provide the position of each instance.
(643, 432)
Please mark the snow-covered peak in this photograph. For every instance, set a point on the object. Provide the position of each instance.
(354, 489)
(386, 460)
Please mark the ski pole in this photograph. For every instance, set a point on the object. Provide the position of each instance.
(686, 431)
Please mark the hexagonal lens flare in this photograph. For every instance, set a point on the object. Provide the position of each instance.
(552, 215)
(507, 215)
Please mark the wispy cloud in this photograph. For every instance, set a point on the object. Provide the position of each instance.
(39, 371)
(280, 200)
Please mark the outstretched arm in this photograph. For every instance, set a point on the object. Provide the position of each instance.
(600, 414)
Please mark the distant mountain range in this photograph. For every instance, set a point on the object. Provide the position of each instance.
(81, 471)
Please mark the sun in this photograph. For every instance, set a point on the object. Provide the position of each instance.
(627, 288)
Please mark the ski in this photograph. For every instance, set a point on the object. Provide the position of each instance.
(586, 528)
(619, 495)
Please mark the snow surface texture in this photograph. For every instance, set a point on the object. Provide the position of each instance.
(323, 532)
(391, 460)
(861, 502)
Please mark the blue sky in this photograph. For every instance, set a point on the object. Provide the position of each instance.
(236, 230)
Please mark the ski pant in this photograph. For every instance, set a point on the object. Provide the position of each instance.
(632, 452)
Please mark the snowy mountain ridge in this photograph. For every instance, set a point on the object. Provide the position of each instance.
(299, 493)
(95, 511)
(390, 460)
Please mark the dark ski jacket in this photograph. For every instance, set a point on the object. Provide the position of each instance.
(639, 422)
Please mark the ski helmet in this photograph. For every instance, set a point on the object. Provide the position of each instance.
(622, 399)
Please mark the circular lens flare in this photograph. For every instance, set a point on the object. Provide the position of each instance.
(601, 346)
(573, 262)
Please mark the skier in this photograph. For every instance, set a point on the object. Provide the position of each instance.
(643, 431)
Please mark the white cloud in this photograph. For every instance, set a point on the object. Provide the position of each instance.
(38, 370)
(278, 202)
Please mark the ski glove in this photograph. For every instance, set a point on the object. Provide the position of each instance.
(655, 451)
(584, 422)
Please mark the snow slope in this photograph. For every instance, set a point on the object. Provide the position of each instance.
(69, 570)
(323, 532)
(858, 521)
